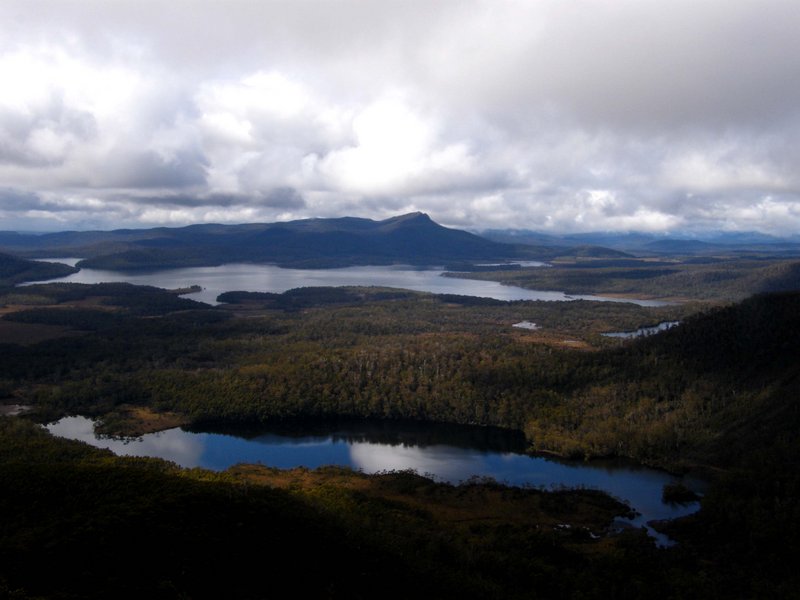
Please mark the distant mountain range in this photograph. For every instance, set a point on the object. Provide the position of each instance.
(311, 243)
(412, 239)
(644, 244)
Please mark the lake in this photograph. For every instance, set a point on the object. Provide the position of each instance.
(450, 453)
(269, 278)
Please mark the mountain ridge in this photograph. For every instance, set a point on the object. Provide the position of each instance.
(413, 238)
(644, 243)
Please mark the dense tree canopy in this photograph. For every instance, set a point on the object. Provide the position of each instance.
(717, 392)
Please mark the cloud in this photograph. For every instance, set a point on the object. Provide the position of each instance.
(173, 444)
(594, 114)
(395, 151)
(279, 198)
(11, 200)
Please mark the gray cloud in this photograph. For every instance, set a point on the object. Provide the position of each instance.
(16, 200)
(127, 168)
(43, 136)
(284, 198)
(278, 198)
(632, 114)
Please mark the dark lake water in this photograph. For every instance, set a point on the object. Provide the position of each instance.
(448, 453)
(269, 278)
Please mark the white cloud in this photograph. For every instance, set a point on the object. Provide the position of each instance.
(395, 151)
(629, 114)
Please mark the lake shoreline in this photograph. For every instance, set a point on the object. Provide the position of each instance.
(405, 437)
(207, 282)
(131, 422)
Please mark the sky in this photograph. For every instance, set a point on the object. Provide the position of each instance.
(558, 116)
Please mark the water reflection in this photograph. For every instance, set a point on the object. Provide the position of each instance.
(385, 432)
(173, 444)
(448, 453)
(444, 463)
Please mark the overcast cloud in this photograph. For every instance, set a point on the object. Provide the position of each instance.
(554, 115)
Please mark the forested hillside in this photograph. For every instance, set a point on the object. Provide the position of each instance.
(675, 398)
(15, 270)
(718, 393)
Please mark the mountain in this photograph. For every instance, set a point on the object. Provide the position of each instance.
(648, 244)
(314, 243)
(617, 241)
(521, 236)
(592, 251)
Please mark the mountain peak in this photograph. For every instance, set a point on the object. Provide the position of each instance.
(413, 238)
(409, 219)
(412, 216)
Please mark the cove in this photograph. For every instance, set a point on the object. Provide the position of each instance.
(449, 453)
(270, 278)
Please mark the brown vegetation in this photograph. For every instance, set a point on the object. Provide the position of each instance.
(134, 421)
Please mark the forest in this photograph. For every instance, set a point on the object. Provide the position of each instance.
(716, 395)
(15, 270)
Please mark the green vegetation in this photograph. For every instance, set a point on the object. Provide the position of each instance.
(358, 352)
(718, 392)
(674, 400)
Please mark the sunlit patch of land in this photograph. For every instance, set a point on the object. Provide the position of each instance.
(134, 421)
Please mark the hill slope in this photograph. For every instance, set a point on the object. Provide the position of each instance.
(413, 239)
(707, 392)
(15, 270)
